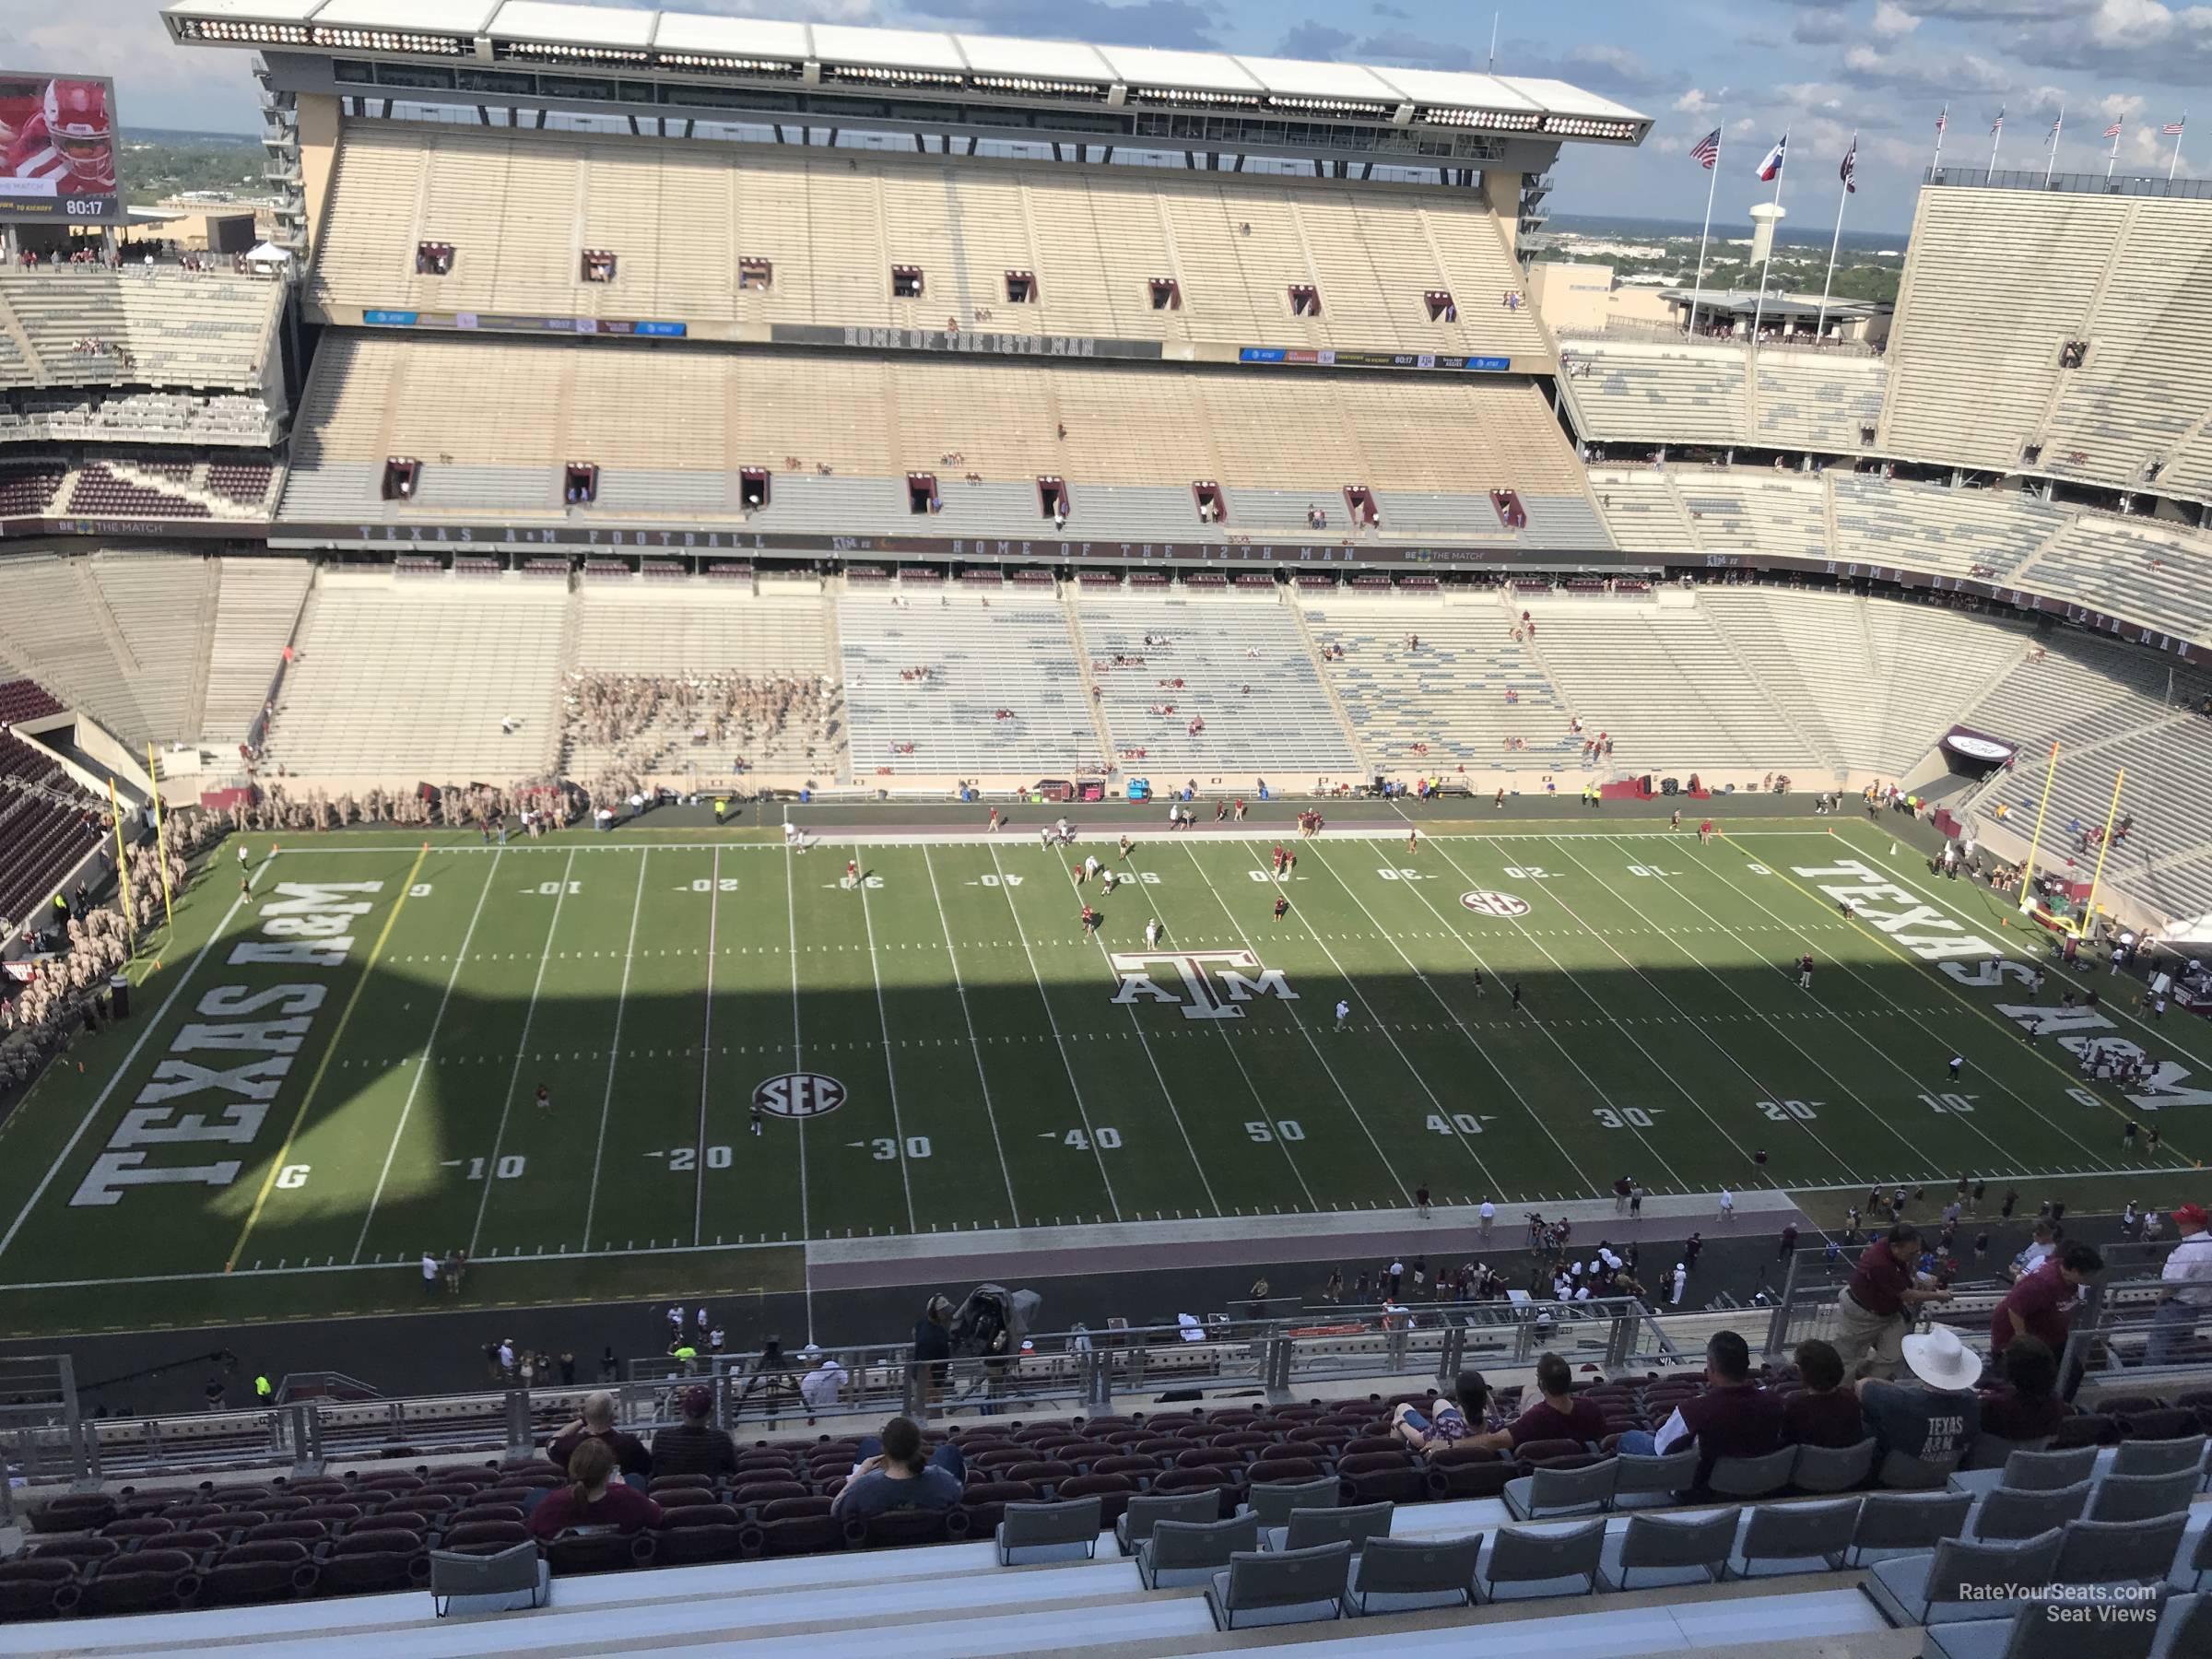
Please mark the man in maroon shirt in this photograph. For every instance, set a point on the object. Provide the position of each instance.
(1822, 1413)
(1874, 1312)
(2041, 1304)
(1556, 1415)
(1734, 1417)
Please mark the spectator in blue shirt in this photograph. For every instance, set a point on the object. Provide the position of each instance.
(892, 1475)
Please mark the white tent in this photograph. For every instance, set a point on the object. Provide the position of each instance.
(268, 254)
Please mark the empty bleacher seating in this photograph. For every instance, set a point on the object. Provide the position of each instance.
(153, 325)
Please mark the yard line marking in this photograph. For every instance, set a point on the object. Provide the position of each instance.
(1082, 1111)
(883, 1023)
(975, 1048)
(1143, 1043)
(1531, 934)
(268, 1182)
(1766, 1018)
(129, 1059)
(429, 1047)
(2002, 1024)
(1303, 1031)
(1512, 1087)
(791, 915)
(1252, 1088)
(706, 1059)
(614, 1055)
(521, 1049)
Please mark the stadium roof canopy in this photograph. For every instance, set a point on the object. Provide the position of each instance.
(974, 67)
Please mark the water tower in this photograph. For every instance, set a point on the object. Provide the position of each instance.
(1764, 218)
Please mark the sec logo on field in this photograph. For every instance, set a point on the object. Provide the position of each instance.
(799, 1095)
(1494, 904)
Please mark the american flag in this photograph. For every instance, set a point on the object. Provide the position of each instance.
(1850, 171)
(2113, 131)
(1996, 124)
(1707, 151)
(2172, 129)
(1944, 121)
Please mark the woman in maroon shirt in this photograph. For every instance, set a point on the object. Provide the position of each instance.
(2024, 1406)
(1823, 1413)
(595, 1498)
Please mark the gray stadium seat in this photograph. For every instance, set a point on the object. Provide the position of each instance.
(1652, 1482)
(1751, 1477)
(1191, 1552)
(1036, 1532)
(1990, 1452)
(2158, 1456)
(2027, 1471)
(1272, 1500)
(1406, 1575)
(1542, 1561)
(2007, 1513)
(1583, 1491)
(1961, 1580)
(1832, 1468)
(2186, 1630)
(1294, 1587)
(1309, 1528)
(1904, 1474)
(2039, 1631)
(2139, 1497)
(1670, 1551)
(2119, 1552)
(1891, 1522)
(1789, 1537)
(2190, 1571)
(513, 1578)
(1146, 1510)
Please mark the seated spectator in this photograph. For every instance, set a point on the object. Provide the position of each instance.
(1734, 1417)
(1935, 1417)
(1557, 1415)
(597, 1423)
(821, 1386)
(2025, 1404)
(594, 1497)
(1824, 1413)
(892, 1475)
(694, 1446)
(1448, 1422)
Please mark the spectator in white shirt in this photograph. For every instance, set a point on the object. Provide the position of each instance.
(2188, 1275)
(822, 1386)
(431, 1268)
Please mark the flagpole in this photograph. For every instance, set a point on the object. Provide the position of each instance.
(2176, 159)
(1997, 136)
(1835, 241)
(2113, 159)
(1712, 184)
(1758, 311)
(1942, 121)
(2051, 161)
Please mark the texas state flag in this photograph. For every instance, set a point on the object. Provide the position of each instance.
(1770, 166)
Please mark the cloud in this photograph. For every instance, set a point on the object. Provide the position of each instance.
(1312, 39)
(2140, 40)
(1698, 101)
(1179, 24)
(1893, 21)
(1403, 46)
(1599, 67)
(1821, 29)
(1382, 8)
(1918, 72)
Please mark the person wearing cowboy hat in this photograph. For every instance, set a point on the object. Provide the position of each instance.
(2188, 1275)
(1935, 1417)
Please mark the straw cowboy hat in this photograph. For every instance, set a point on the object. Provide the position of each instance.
(1942, 1362)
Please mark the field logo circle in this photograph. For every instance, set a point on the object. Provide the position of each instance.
(1494, 904)
(799, 1095)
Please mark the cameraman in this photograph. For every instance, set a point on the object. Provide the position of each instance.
(933, 1350)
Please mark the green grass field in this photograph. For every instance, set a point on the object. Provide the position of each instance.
(328, 1076)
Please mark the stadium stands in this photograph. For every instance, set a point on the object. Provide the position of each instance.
(491, 421)
(83, 326)
(518, 209)
(41, 838)
(1675, 393)
(957, 684)
(1213, 688)
(258, 601)
(397, 676)
(177, 418)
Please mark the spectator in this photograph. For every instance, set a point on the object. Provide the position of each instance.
(933, 1349)
(2188, 1275)
(594, 1497)
(694, 1446)
(2041, 1303)
(1823, 1413)
(597, 1423)
(1734, 1417)
(2025, 1405)
(2032, 1254)
(1556, 1415)
(1935, 1417)
(892, 1475)
(1448, 1423)
(822, 1386)
(1872, 1314)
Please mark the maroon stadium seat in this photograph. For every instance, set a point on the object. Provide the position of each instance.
(1112, 1491)
(35, 1588)
(598, 1550)
(275, 1570)
(986, 1501)
(145, 1581)
(798, 1527)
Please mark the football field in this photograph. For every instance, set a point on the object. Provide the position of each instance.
(743, 1051)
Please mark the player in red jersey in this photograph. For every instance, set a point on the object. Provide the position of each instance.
(70, 138)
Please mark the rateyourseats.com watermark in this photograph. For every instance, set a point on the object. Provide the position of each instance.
(2077, 1604)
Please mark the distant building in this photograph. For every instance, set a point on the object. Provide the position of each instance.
(1732, 311)
(1583, 295)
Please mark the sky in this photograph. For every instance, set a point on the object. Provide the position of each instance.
(1820, 68)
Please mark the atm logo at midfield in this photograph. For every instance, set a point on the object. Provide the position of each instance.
(1208, 984)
